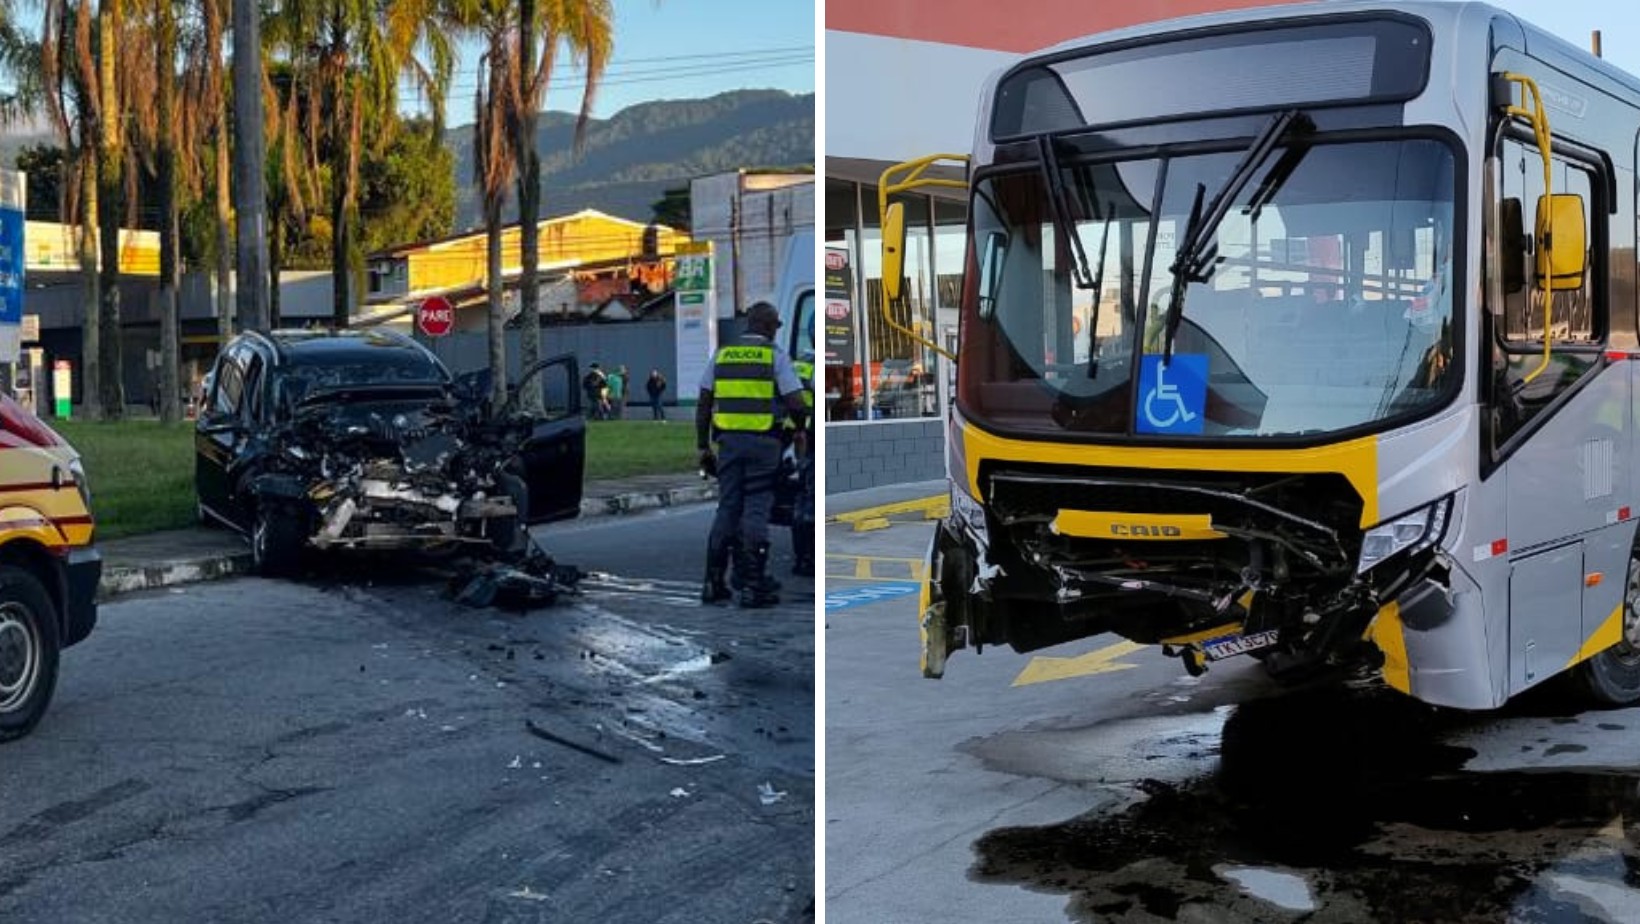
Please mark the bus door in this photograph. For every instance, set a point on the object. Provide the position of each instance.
(1559, 425)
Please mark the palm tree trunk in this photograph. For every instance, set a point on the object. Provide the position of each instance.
(223, 189)
(276, 264)
(224, 217)
(529, 205)
(90, 330)
(170, 241)
(498, 309)
(340, 238)
(110, 202)
(251, 209)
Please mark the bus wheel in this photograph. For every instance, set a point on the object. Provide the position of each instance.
(1613, 675)
(28, 651)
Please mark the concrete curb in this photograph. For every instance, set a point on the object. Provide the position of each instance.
(118, 580)
(618, 504)
(129, 579)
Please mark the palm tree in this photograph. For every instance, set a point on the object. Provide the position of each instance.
(349, 58)
(586, 29)
(494, 166)
(20, 62)
(68, 80)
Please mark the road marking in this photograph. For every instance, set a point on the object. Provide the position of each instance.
(871, 593)
(873, 568)
(937, 507)
(1099, 661)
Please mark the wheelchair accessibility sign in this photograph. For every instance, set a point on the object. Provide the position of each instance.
(1172, 396)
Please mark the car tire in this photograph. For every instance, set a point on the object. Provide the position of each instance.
(276, 541)
(1612, 677)
(28, 651)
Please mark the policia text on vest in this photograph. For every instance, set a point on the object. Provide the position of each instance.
(746, 396)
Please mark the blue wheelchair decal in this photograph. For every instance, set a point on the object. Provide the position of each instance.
(1172, 397)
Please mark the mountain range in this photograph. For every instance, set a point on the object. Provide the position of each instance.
(628, 160)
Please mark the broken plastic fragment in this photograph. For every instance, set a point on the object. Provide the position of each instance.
(692, 762)
(678, 792)
(768, 795)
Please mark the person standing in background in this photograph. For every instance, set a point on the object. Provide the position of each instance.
(626, 392)
(656, 386)
(617, 393)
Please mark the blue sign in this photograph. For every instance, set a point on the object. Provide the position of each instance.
(11, 264)
(1172, 396)
(870, 593)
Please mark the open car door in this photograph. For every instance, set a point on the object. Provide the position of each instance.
(554, 455)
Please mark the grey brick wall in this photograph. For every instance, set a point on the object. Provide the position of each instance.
(860, 456)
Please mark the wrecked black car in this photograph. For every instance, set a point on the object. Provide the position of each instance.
(363, 441)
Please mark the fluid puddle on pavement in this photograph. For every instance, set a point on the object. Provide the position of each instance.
(1323, 807)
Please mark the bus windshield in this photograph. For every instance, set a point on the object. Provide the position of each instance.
(1327, 304)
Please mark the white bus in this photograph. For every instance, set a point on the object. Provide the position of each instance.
(1305, 333)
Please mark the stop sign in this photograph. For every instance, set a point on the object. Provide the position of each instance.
(436, 316)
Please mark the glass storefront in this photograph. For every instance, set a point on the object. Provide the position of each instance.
(875, 370)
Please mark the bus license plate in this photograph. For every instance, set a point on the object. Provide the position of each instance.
(1231, 645)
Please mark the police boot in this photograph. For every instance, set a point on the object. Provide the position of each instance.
(803, 550)
(757, 588)
(715, 589)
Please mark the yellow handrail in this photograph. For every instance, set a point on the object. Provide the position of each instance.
(900, 178)
(1546, 233)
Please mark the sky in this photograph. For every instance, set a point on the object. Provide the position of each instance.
(1574, 20)
(678, 49)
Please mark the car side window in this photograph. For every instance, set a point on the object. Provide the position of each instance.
(230, 384)
(252, 410)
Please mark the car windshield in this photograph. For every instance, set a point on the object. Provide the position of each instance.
(1328, 306)
(302, 378)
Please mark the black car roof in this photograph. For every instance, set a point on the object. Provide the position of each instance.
(318, 347)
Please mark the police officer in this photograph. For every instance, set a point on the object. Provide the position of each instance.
(741, 398)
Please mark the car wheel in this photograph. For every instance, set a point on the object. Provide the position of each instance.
(1613, 675)
(276, 541)
(28, 651)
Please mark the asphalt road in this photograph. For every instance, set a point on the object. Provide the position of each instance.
(355, 747)
(1098, 782)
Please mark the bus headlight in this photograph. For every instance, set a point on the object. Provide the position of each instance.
(1410, 532)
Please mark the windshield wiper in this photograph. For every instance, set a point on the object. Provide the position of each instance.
(1060, 207)
(1098, 293)
(1199, 250)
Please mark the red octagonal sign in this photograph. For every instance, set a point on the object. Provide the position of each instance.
(436, 316)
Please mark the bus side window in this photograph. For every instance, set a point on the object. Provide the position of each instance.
(1577, 323)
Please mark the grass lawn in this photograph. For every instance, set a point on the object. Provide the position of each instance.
(142, 472)
(618, 448)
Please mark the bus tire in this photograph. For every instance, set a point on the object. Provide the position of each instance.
(28, 651)
(1613, 676)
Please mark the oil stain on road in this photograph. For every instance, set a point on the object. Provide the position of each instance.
(1343, 807)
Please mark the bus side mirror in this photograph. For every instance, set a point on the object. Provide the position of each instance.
(1512, 242)
(893, 251)
(1566, 243)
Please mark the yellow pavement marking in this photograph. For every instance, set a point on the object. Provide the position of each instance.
(873, 568)
(1100, 661)
(869, 518)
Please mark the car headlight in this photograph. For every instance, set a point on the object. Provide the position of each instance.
(77, 469)
(1410, 532)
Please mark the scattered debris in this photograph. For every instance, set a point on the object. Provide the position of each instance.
(588, 750)
(692, 762)
(768, 795)
(678, 792)
(534, 580)
(528, 894)
(517, 763)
